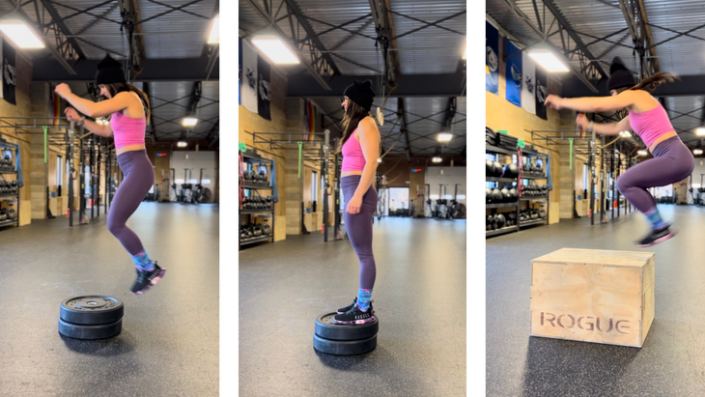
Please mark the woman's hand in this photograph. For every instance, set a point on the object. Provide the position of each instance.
(72, 115)
(62, 90)
(354, 205)
(582, 122)
(554, 102)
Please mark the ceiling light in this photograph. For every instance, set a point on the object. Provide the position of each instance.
(700, 131)
(20, 33)
(275, 49)
(379, 160)
(465, 51)
(189, 122)
(625, 134)
(642, 152)
(548, 60)
(445, 137)
(214, 36)
(697, 152)
(182, 144)
(437, 159)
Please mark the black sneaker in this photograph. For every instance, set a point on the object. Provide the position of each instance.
(355, 316)
(656, 236)
(146, 279)
(350, 306)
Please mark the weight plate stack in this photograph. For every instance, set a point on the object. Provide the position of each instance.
(91, 317)
(343, 339)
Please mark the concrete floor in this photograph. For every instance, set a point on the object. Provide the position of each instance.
(672, 360)
(169, 342)
(419, 297)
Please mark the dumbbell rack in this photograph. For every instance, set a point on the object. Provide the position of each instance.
(252, 159)
(12, 197)
(529, 154)
(515, 204)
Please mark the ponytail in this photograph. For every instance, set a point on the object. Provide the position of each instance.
(650, 83)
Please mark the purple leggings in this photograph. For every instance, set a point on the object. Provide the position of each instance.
(138, 179)
(359, 228)
(672, 163)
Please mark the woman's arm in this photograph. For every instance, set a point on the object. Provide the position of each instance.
(98, 129)
(604, 128)
(369, 142)
(94, 109)
(594, 104)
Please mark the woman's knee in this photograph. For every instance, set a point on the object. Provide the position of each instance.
(623, 184)
(115, 227)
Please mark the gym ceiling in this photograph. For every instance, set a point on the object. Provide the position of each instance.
(177, 68)
(649, 35)
(343, 41)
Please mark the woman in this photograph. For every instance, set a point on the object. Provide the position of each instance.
(360, 149)
(130, 111)
(672, 160)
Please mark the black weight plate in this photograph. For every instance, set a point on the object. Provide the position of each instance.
(92, 310)
(326, 329)
(90, 332)
(344, 348)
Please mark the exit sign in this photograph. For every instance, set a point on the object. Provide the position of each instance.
(161, 154)
(416, 170)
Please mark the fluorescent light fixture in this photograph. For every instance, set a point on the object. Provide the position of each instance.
(275, 49)
(548, 60)
(181, 144)
(697, 152)
(20, 33)
(444, 137)
(437, 159)
(625, 134)
(642, 152)
(700, 131)
(189, 122)
(214, 36)
(379, 160)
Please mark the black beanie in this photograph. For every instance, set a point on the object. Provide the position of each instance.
(361, 93)
(109, 71)
(620, 76)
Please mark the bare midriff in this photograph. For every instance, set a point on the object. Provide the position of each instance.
(662, 138)
(129, 148)
(348, 173)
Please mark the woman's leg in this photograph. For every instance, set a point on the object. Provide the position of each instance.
(672, 163)
(359, 230)
(139, 177)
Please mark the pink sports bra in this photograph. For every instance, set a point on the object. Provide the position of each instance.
(353, 159)
(650, 125)
(128, 131)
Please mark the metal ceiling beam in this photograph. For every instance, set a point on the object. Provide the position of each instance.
(403, 129)
(146, 87)
(195, 97)
(416, 85)
(180, 69)
(130, 13)
(322, 67)
(638, 23)
(590, 73)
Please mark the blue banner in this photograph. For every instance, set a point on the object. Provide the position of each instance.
(491, 59)
(514, 74)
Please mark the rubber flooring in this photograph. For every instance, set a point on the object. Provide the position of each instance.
(672, 359)
(419, 297)
(169, 342)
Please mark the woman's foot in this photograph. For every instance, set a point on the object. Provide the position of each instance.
(350, 306)
(146, 279)
(355, 316)
(656, 236)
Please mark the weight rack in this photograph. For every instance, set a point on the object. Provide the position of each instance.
(252, 159)
(11, 197)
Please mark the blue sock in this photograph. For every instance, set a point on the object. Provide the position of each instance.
(655, 218)
(363, 299)
(143, 262)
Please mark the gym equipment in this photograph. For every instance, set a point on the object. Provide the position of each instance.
(511, 171)
(613, 305)
(489, 168)
(506, 197)
(488, 195)
(497, 168)
(91, 317)
(496, 196)
(343, 339)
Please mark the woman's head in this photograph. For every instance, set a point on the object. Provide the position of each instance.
(111, 81)
(357, 102)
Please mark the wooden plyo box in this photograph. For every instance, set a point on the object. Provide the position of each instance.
(593, 296)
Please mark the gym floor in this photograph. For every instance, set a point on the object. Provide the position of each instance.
(672, 360)
(169, 342)
(419, 296)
